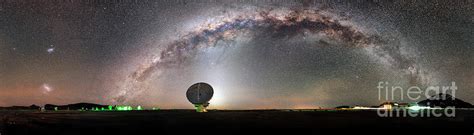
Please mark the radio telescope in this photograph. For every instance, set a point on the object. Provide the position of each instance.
(199, 95)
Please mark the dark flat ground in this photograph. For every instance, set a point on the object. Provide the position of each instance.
(228, 122)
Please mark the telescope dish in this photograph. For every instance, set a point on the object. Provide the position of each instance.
(200, 93)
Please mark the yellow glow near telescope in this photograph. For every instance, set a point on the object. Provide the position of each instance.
(219, 98)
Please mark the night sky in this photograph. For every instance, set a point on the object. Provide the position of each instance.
(255, 54)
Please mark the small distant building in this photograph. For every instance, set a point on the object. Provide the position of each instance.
(360, 107)
(388, 105)
(394, 105)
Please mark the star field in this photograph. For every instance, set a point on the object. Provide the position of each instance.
(254, 54)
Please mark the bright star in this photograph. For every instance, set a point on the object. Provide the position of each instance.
(51, 49)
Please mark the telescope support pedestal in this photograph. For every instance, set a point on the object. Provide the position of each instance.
(201, 107)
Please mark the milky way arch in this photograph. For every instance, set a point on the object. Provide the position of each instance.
(286, 23)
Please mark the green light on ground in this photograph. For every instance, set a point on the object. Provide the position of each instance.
(123, 108)
(139, 108)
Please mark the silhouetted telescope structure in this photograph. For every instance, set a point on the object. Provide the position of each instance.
(199, 95)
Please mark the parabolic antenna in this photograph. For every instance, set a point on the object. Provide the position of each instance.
(200, 94)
